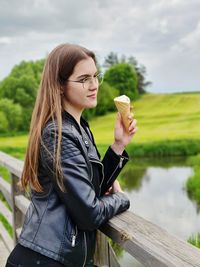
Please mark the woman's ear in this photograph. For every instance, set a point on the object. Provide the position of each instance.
(61, 90)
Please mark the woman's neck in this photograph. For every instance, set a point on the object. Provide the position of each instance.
(74, 112)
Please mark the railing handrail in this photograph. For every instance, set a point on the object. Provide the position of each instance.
(147, 242)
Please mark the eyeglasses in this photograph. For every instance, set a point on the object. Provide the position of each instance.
(87, 81)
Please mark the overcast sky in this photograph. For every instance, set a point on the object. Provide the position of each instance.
(163, 35)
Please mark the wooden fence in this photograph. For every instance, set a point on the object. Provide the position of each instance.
(145, 241)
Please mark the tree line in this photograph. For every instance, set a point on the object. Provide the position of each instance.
(18, 90)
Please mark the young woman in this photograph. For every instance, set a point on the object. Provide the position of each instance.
(73, 192)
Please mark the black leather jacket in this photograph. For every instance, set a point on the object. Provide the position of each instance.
(62, 225)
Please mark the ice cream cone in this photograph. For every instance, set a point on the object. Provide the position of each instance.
(123, 106)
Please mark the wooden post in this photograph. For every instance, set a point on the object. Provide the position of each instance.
(18, 216)
(104, 254)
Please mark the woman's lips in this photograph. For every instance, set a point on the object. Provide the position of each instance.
(92, 96)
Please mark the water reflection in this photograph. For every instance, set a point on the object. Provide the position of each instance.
(157, 193)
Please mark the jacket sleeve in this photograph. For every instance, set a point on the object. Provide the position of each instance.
(113, 164)
(86, 210)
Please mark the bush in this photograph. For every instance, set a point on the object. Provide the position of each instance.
(105, 99)
(165, 148)
(193, 186)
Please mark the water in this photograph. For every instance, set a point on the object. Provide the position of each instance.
(157, 193)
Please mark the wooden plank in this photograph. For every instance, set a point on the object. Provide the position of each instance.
(112, 258)
(149, 244)
(14, 165)
(18, 216)
(8, 241)
(6, 190)
(22, 203)
(6, 212)
(4, 253)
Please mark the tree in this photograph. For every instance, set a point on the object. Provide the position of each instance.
(12, 114)
(21, 87)
(123, 77)
(141, 73)
(3, 123)
(113, 59)
(29, 68)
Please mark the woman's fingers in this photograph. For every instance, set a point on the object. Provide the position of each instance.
(132, 125)
(118, 123)
(130, 116)
(133, 131)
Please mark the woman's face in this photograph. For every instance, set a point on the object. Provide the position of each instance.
(78, 95)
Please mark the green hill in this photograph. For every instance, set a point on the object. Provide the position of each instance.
(160, 117)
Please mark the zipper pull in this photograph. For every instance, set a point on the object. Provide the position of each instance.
(121, 162)
(73, 240)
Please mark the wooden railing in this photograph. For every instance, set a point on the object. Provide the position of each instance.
(145, 241)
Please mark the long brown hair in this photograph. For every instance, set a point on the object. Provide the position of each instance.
(59, 65)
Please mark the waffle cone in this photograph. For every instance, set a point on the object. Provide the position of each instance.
(122, 104)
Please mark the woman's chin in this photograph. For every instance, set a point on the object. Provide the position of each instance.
(92, 105)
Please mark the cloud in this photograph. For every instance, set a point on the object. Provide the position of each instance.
(158, 33)
(5, 40)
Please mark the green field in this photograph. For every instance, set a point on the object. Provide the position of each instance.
(164, 120)
(160, 117)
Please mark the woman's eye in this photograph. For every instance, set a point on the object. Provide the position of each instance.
(83, 80)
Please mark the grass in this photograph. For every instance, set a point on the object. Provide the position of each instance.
(18, 141)
(193, 182)
(194, 160)
(6, 225)
(14, 145)
(3, 219)
(195, 240)
(5, 173)
(160, 117)
(193, 186)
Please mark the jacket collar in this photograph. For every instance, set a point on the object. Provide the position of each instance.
(83, 122)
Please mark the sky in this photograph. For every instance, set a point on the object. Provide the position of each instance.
(163, 35)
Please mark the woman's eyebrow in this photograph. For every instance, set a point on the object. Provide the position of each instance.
(86, 75)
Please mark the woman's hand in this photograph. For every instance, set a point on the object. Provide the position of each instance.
(114, 188)
(121, 137)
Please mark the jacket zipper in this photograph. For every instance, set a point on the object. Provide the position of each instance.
(119, 165)
(74, 236)
(85, 241)
(96, 161)
(121, 162)
(85, 249)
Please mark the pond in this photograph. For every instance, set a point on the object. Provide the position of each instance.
(157, 193)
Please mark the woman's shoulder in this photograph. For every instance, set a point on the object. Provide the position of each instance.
(51, 128)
